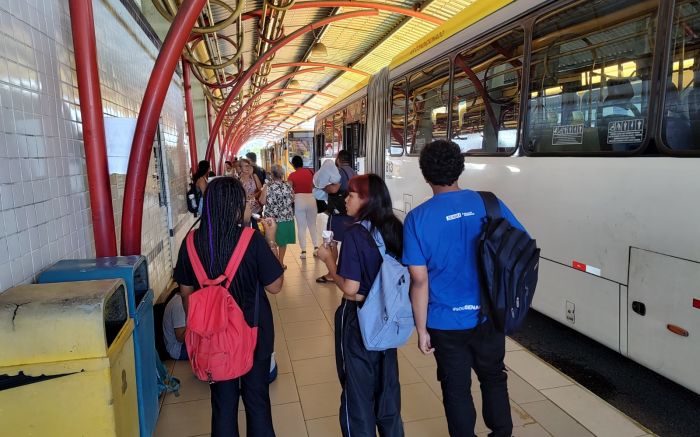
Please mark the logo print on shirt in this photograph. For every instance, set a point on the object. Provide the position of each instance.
(458, 215)
(466, 308)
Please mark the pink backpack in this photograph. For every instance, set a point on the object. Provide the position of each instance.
(219, 342)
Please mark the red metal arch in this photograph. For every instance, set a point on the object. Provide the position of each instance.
(319, 64)
(252, 98)
(294, 105)
(354, 4)
(189, 112)
(262, 59)
(300, 91)
(157, 88)
(83, 29)
(232, 131)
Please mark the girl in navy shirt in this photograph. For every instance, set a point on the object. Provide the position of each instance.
(371, 397)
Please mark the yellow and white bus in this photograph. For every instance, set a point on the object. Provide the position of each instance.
(584, 117)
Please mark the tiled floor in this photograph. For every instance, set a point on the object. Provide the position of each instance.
(306, 395)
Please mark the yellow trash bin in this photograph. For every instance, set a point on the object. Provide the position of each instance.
(67, 361)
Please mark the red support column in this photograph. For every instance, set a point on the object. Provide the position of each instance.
(157, 88)
(83, 27)
(190, 114)
(211, 158)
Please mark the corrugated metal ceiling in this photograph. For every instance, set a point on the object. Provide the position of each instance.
(365, 43)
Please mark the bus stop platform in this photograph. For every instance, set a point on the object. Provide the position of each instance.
(306, 395)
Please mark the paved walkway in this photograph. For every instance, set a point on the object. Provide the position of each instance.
(306, 395)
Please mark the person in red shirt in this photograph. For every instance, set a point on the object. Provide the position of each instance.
(305, 211)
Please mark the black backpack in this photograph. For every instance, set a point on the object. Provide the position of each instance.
(193, 202)
(509, 262)
(336, 201)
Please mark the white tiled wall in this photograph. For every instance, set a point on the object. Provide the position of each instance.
(44, 203)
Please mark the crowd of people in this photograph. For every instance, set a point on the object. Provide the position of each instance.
(437, 242)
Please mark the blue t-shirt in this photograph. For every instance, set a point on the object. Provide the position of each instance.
(359, 258)
(443, 234)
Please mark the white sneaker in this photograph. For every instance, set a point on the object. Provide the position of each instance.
(303, 254)
(315, 252)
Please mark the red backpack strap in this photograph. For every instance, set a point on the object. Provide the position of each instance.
(197, 266)
(232, 265)
(238, 253)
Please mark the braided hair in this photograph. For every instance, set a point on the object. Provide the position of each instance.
(220, 228)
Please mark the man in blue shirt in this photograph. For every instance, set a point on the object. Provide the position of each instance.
(440, 247)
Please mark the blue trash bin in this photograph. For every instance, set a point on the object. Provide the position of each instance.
(134, 271)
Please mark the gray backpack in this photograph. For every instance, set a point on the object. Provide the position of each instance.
(386, 316)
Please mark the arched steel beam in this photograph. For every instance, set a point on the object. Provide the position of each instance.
(300, 91)
(189, 112)
(291, 116)
(320, 64)
(141, 148)
(209, 122)
(294, 105)
(95, 145)
(262, 59)
(354, 4)
(252, 98)
(233, 126)
(231, 132)
(250, 126)
(244, 131)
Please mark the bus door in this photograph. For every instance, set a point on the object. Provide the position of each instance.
(319, 147)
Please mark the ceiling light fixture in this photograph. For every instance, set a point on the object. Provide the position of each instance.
(319, 50)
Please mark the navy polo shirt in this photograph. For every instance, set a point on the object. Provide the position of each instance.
(359, 259)
(442, 234)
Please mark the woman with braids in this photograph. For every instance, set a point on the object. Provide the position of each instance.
(371, 397)
(224, 215)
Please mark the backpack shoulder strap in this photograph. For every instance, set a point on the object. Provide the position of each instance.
(376, 235)
(235, 262)
(238, 253)
(493, 208)
(197, 266)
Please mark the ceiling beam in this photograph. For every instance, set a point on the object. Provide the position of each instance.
(420, 5)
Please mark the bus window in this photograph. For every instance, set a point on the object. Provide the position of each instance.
(428, 96)
(398, 118)
(328, 151)
(680, 130)
(338, 123)
(486, 102)
(590, 77)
